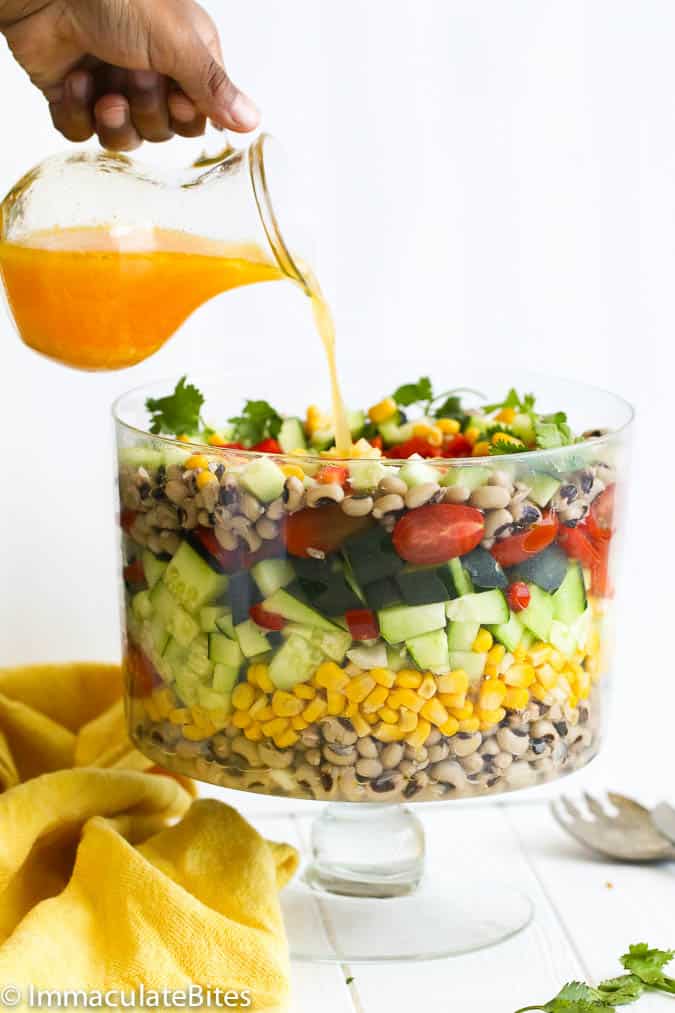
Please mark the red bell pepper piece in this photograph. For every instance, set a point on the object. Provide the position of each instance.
(363, 624)
(268, 620)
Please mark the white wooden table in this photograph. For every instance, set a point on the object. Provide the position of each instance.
(587, 912)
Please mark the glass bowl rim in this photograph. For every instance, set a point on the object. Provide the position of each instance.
(319, 457)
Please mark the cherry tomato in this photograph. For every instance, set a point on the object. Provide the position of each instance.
(324, 528)
(268, 446)
(134, 572)
(518, 596)
(268, 620)
(416, 445)
(141, 674)
(517, 548)
(458, 446)
(436, 533)
(127, 518)
(332, 474)
(363, 624)
(578, 545)
(601, 515)
(600, 584)
(228, 560)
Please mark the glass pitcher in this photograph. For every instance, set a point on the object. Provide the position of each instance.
(103, 260)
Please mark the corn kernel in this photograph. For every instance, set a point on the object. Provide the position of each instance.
(481, 449)
(520, 674)
(449, 727)
(243, 696)
(197, 461)
(456, 681)
(483, 642)
(520, 653)
(491, 671)
(449, 427)
(151, 709)
(196, 733)
(383, 410)
(258, 675)
(573, 700)
(408, 721)
(490, 717)
(472, 434)
(405, 698)
(285, 705)
(539, 692)
(370, 719)
(179, 716)
(388, 733)
(200, 716)
(417, 738)
(516, 698)
(286, 739)
(336, 702)
(507, 415)
(496, 654)
(164, 702)
(254, 733)
(205, 478)
(491, 694)
(556, 660)
(275, 727)
(298, 723)
(383, 677)
(462, 713)
(452, 700)
(387, 715)
(547, 676)
(540, 653)
(359, 687)
(266, 714)
(428, 687)
(316, 419)
(241, 719)
(469, 725)
(330, 676)
(435, 712)
(183, 438)
(432, 434)
(259, 707)
(293, 471)
(314, 710)
(361, 727)
(408, 678)
(375, 700)
(304, 691)
(216, 439)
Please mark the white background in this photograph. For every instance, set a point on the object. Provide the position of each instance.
(493, 182)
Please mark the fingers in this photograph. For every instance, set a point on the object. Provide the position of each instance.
(186, 119)
(204, 80)
(114, 125)
(71, 106)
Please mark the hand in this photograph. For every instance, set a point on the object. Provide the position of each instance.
(127, 70)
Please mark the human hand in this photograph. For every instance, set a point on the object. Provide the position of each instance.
(127, 70)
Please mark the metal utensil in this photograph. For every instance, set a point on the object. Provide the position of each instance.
(619, 827)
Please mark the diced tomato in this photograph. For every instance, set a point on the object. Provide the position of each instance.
(416, 445)
(517, 548)
(458, 446)
(231, 446)
(600, 584)
(134, 572)
(577, 543)
(601, 515)
(436, 533)
(228, 560)
(268, 446)
(332, 474)
(376, 442)
(127, 518)
(518, 596)
(268, 620)
(363, 624)
(324, 528)
(141, 674)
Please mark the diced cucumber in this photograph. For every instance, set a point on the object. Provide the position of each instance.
(292, 436)
(322, 439)
(141, 457)
(371, 656)
(182, 627)
(175, 455)
(542, 487)
(264, 479)
(208, 615)
(581, 629)
(142, 605)
(538, 615)
(462, 635)
(569, 601)
(471, 662)
(397, 657)
(523, 428)
(461, 580)
(356, 420)
(334, 644)
(562, 638)
(470, 477)
(219, 705)
(295, 662)
(415, 473)
(509, 633)
(224, 651)
(393, 433)
(429, 650)
(251, 639)
(226, 625)
(403, 622)
(483, 569)
(175, 656)
(187, 685)
(163, 602)
(526, 640)
(153, 568)
(365, 475)
(483, 607)
(192, 581)
(158, 634)
(284, 604)
(224, 678)
(271, 574)
(202, 666)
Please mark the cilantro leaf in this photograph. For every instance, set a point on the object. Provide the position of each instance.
(411, 393)
(258, 421)
(178, 412)
(622, 991)
(450, 409)
(497, 449)
(647, 965)
(575, 997)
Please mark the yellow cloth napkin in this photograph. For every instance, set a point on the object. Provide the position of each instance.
(100, 887)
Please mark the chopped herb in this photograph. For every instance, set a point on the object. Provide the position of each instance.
(504, 447)
(349, 980)
(259, 421)
(524, 405)
(412, 393)
(178, 412)
(450, 409)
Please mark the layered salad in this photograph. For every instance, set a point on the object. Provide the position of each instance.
(420, 619)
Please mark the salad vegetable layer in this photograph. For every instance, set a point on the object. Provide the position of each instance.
(397, 626)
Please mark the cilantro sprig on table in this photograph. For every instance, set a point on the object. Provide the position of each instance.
(178, 412)
(258, 421)
(645, 974)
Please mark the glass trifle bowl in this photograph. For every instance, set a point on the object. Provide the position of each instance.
(372, 632)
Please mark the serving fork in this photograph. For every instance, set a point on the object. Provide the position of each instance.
(620, 827)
